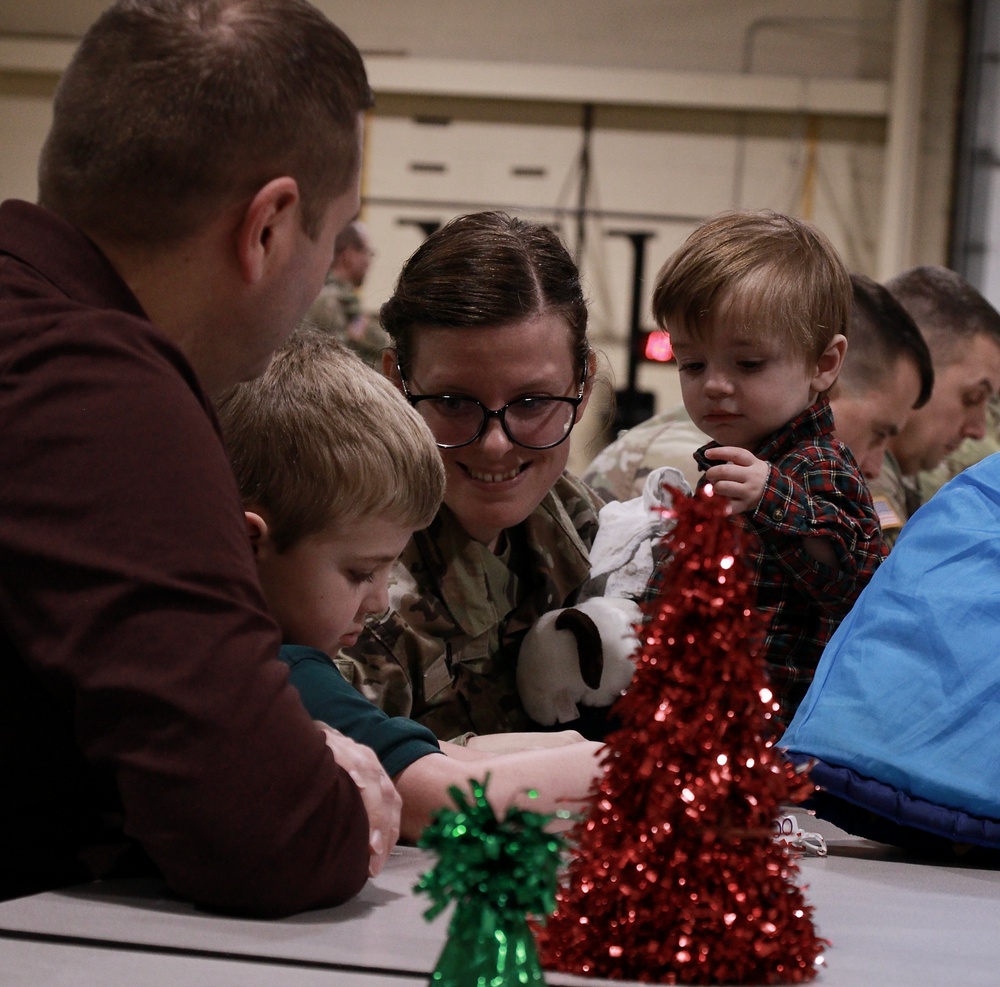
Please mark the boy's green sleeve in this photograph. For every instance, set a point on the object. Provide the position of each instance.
(396, 740)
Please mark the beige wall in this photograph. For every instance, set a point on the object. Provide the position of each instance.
(668, 146)
(25, 111)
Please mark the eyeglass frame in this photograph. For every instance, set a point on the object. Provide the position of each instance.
(500, 413)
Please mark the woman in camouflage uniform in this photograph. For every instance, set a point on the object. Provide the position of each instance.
(489, 328)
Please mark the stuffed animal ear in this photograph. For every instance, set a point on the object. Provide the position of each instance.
(588, 644)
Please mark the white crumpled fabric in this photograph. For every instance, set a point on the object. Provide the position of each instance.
(621, 559)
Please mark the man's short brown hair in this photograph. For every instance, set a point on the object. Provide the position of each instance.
(321, 440)
(882, 334)
(763, 274)
(172, 109)
(947, 309)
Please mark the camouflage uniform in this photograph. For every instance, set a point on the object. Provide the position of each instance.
(337, 310)
(895, 497)
(668, 439)
(446, 653)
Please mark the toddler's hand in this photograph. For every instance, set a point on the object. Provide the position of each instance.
(740, 479)
(382, 802)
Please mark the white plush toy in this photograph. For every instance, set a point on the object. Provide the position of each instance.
(584, 654)
(580, 654)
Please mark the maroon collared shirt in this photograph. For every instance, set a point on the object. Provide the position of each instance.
(142, 704)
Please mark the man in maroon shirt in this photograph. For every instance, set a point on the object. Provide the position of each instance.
(203, 156)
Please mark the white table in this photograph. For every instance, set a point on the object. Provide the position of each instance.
(46, 964)
(891, 921)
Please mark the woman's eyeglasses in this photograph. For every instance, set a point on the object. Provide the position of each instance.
(531, 422)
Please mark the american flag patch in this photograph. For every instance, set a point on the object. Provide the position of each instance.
(887, 517)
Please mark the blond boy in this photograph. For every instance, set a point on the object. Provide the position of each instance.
(336, 472)
(757, 306)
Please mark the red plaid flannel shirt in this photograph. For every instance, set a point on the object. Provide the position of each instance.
(814, 490)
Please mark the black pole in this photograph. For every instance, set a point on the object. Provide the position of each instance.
(583, 192)
(634, 406)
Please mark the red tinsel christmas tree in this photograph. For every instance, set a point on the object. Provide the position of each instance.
(675, 877)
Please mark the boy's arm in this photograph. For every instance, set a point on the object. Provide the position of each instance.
(330, 699)
(480, 745)
(562, 777)
(815, 519)
(814, 514)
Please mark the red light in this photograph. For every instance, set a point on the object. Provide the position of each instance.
(658, 347)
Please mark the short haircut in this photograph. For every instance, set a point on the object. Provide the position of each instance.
(321, 440)
(882, 334)
(171, 110)
(762, 274)
(946, 308)
(486, 269)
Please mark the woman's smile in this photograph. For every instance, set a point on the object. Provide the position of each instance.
(492, 476)
(493, 484)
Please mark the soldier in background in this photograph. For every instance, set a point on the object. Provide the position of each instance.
(338, 309)
(619, 470)
(970, 452)
(962, 331)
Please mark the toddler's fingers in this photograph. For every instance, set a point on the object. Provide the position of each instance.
(731, 454)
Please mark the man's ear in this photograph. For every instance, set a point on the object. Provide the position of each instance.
(268, 227)
(257, 532)
(829, 363)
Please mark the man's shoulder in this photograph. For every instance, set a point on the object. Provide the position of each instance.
(132, 370)
(45, 257)
(59, 293)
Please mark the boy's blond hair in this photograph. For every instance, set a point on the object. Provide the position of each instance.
(761, 274)
(322, 440)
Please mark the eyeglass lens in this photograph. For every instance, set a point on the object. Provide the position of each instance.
(531, 422)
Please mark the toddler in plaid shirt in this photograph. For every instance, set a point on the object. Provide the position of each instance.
(757, 306)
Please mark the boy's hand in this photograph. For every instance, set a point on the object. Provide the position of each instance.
(740, 479)
(382, 802)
